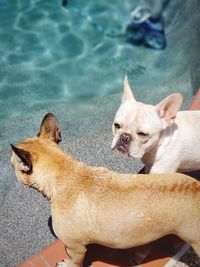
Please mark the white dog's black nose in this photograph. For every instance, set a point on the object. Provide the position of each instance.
(125, 138)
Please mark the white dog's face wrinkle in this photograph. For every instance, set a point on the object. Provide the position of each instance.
(141, 123)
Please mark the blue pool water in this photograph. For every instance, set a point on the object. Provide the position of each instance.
(50, 55)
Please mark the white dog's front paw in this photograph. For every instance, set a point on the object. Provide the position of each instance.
(63, 263)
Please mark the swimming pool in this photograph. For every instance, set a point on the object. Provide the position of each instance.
(67, 57)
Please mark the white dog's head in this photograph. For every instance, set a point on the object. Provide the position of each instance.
(138, 127)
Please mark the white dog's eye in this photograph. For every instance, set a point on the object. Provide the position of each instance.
(142, 134)
(117, 125)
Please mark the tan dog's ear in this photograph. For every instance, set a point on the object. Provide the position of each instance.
(50, 128)
(128, 94)
(24, 160)
(169, 107)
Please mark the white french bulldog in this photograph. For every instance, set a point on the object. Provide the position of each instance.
(167, 140)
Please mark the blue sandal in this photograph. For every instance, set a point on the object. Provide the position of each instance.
(143, 29)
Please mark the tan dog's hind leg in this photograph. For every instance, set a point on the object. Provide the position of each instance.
(196, 248)
(192, 238)
(77, 255)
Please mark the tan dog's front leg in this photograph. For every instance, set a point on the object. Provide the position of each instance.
(77, 254)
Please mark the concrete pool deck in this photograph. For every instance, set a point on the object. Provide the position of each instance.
(25, 214)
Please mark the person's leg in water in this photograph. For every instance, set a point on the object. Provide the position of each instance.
(146, 25)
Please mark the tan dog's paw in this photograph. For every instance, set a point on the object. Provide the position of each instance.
(63, 263)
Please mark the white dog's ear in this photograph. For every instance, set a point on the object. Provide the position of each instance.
(128, 94)
(169, 107)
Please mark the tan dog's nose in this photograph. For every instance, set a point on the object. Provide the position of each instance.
(125, 138)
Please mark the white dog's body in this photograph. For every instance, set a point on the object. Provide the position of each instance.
(166, 140)
(179, 147)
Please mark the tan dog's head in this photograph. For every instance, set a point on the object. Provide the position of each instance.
(138, 127)
(29, 156)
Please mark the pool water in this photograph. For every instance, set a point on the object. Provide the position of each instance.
(52, 55)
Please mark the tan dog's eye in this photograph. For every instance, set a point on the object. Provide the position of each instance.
(117, 125)
(142, 134)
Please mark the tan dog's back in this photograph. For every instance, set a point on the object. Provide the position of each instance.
(132, 205)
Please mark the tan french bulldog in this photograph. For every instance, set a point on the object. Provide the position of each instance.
(97, 205)
(167, 140)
